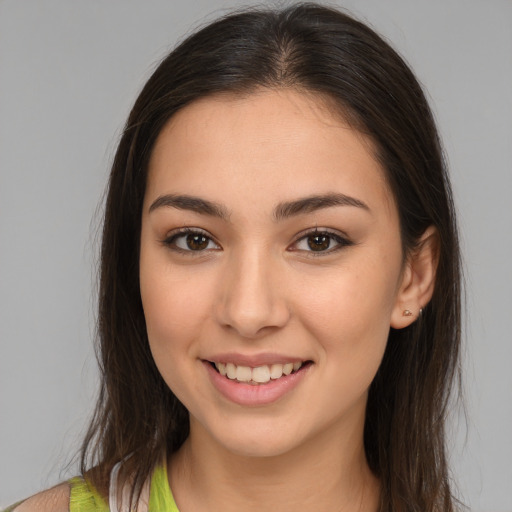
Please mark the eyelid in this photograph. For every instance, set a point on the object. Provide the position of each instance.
(340, 237)
(188, 230)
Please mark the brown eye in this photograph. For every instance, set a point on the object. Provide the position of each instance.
(190, 241)
(197, 242)
(319, 242)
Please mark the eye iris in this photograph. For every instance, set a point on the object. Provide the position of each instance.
(197, 242)
(319, 242)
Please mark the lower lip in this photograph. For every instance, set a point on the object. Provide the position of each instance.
(258, 394)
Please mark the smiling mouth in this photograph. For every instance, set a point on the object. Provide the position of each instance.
(259, 374)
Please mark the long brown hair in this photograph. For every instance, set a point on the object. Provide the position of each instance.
(325, 52)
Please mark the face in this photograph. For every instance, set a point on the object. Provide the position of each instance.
(270, 267)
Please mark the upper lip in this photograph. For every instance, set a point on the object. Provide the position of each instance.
(254, 360)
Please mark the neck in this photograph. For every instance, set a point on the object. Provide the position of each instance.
(328, 474)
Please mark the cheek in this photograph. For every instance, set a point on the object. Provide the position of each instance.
(350, 312)
(349, 320)
(172, 326)
(175, 311)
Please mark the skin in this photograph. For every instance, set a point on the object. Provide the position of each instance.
(257, 288)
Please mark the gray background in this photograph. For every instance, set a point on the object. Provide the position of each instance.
(69, 71)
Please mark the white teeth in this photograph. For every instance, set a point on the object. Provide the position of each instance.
(231, 371)
(261, 374)
(243, 373)
(288, 368)
(276, 371)
(222, 368)
(258, 375)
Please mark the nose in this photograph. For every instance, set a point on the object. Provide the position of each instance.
(252, 296)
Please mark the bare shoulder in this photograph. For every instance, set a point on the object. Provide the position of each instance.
(55, 499)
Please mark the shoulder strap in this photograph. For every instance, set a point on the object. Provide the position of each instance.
(84, 498)
(119, 498)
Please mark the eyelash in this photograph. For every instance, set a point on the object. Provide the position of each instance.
(170, 241)
(341, 241)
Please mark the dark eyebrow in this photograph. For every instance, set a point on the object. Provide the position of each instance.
(312, 203)
(195, 204)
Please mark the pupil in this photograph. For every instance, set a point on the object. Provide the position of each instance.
(197, 242)
(318, 242)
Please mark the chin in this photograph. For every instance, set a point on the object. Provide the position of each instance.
(255, 438)
(259, 446)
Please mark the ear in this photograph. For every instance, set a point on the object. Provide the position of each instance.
(418, 278)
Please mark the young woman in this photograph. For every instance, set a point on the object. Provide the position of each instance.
(279, 314)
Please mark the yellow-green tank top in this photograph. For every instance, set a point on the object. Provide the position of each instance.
(84, 497)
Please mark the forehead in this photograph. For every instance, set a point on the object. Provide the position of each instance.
(271, 145)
